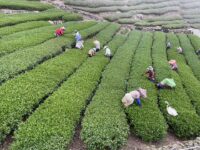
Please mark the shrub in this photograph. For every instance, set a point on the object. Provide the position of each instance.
(24, 39)
(190, 82)
(147, 130)
(62, 110)
(22, 27)
(28, 58)
(104, 125)
(51, 14)
(22, 4)
(190, 56)
(186, 124)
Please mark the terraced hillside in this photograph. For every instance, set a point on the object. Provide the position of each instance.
(49, 90)
(168, 14)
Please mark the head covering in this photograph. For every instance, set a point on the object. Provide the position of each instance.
(105, 47)
(96, 42)
(127, 100)
(63, 28)
(172, 62)
(143, 92)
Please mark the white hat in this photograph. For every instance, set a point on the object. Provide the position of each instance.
(150, 68)
(105, 47)
(63, 28)
(143, 92)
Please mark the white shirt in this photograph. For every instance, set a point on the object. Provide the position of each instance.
(108, 52)
(97, 44)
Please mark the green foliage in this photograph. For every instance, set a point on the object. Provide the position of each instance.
(24, 39)
(22, 4)
(104, 124)
(20, 61)
(190, 56)
(28, 89)
(22, 27)
(58, 116)
(190, 82)
(51, 14)
(186, 124)
(195, 41)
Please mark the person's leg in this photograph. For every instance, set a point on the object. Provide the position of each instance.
(160, 86)
(152, 79)
(138, 102)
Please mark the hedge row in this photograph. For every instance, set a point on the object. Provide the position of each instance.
(147, 123)
(18, 96)
(20, 61)
(24, 39)
(105, 125)
(22, 27)
(186, 124)
(190, 56)
(51, 14)
(53, 124)
(22, 4)
(195, 41)
(190, 82)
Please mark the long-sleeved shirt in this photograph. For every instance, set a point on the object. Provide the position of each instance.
(59, 32)
(78, 37)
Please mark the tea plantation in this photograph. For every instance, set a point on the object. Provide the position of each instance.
(48, 88)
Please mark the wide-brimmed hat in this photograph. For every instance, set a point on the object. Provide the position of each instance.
(63, 28)
(150, 68)
(171, 62)
(105, 47)
(143, 92)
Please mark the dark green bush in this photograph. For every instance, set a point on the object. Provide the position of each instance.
(190, 56)
(186, 124)
(27, 58)
(147, 123)
(190, 82)
(105, 125)
(58, 116)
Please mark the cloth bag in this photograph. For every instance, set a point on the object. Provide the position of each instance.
(170, 110)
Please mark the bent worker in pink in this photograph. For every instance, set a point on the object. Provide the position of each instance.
(60, 31)
(173, 65)
(129, 98)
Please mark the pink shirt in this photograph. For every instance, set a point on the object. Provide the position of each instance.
(135, 94)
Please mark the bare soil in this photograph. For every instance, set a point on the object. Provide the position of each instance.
(135, 143)
(6, 144)
(77, 143)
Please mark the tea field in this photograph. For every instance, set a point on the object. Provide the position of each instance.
(168, 14)
(48, 88)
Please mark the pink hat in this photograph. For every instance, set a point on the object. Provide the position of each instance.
(143, 92)
(172, 62)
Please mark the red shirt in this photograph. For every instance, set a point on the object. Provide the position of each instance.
(59, 32)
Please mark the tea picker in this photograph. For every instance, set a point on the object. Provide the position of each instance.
(59, 32)
(166, 83)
